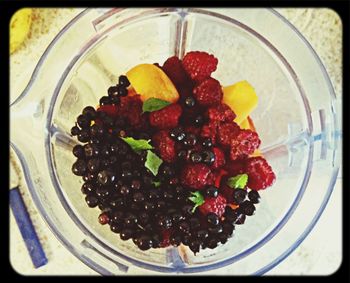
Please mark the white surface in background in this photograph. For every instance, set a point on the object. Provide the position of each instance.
(321, 251)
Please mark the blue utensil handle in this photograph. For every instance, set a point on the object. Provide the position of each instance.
(26, 228)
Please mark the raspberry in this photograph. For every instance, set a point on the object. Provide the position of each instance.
(176, 72)
(192, 130)
(226, 132)
(227, 192)
(214, 205)
(166, 118)
(165, 238)
(131, 108)
(260, 174)
(221, 113)
(235, 167)
(110, 110)
(209, 131)
(196, 176)
(245, 143)
(164, 145)
(199, 65)
(208, 92)
(218, 177)
(219, 158)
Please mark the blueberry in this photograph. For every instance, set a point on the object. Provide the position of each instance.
(87, 188)
(246, 208)
(208, 157)
(138, 197)
(93, 165)
(83, 136)
(240, 219)
(254, 196)
(190, 140)
(102, 192)
(211, 192)
(96, 130)
(79, 167)
(74, 131)
(182, 154)
(92, 201)
(122, 91)
(130, 220)
(145, 242)
(83, 121)
(165, 222)
(213, 219)
(190, 101)
(78, 151)
(196, 157)
(105, 100)
(89, 111)
(126, 234)
(123, 81)
(175, 239)
(239, 195)
(198, 120)
(177, 134)
(207, 142)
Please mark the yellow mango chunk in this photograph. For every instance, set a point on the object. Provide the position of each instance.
(242, 99)
(245, 124)
(149, 81)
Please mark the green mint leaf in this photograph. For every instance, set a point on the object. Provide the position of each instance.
(156, 183)
(154, 104)
(153, 162)
(197, 198)
(238, 182)
(137, 145)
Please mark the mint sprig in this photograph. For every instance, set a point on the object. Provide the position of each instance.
(153, 162)
(137, 145)
(197, 198)
(154, 104)
(156, 183)
(238, 182)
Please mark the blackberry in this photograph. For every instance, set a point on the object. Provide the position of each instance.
(79, 167)
(211, 192)
(246, 208)
(83, 121)
(123, 81)
(239, 195)
(105, 100)
(90, 112)
(190, 102)
(84, 135)
(91, 200)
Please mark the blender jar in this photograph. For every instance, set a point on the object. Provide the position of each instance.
(297, 118)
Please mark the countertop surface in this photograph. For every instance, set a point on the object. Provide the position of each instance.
(320, 253)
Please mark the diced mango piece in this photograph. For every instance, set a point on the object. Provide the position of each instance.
(242, 99)
(149, 81)
(245, 124)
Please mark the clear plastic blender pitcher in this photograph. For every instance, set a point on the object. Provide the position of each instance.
(298, 119)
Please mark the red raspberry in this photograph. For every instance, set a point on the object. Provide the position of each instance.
(227, 192)
(244, 144)
(166, 118)
(215, 205)
(110, 110)
(176, 72)
(219, 175)
(196, 176)
(219, 158)
(199, 65)
(192, 130)
(164, 145)
(131, 108)
(226, 132)
(235, 167)
(165, 238)
(208, 92)
(260, 174)
(209, 131)
(221, 113)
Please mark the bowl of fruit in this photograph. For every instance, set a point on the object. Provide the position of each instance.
(179, 140)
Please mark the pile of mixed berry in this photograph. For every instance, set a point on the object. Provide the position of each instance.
(163, 159)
